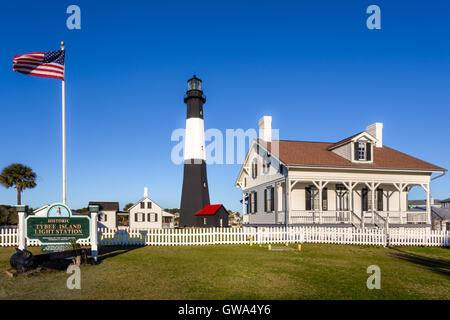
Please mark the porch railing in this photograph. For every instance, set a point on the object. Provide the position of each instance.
(320, 217)
(402, 217)
(379, 218)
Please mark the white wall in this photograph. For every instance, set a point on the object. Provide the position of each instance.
(145, 224)
(111, 219)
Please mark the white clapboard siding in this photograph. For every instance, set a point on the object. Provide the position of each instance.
(261, 235)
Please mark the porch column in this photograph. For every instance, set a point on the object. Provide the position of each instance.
(275, 201)
(373, 186)
(288, 202)
(320, 185)
(388, 207)
(350, 186)
(290, 186)
(400, 187)
(426, 187)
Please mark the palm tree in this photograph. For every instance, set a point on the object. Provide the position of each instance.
(18, 176)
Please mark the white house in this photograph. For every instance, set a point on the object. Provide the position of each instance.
(107, 215)
(146, 214)
(355, 182)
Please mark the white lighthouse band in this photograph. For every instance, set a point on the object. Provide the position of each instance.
(194, 141)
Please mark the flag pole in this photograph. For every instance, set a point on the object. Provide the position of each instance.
(63, 135)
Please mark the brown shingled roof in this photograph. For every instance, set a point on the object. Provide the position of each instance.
(317, 154)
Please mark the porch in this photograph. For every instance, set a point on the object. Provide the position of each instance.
(374, 218)
(339, 203)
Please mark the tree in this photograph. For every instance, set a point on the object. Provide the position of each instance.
(18, 176)
(128, 206)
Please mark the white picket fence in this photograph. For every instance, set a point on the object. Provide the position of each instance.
(261, 235)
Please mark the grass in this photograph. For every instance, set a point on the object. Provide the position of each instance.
(319, 271)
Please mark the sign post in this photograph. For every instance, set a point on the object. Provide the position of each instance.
(93, 209)
(22, 213)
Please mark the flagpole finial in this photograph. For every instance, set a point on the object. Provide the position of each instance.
(62, 45)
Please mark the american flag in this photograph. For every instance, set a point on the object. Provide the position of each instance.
(41, 64)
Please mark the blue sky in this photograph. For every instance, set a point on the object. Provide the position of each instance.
(313, 65)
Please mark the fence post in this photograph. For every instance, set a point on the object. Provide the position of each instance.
(93, 209)
(22, 213)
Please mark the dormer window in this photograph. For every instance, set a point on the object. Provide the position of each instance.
(363, 151)
(362, 154)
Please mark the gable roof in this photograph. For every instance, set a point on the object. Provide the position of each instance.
(344, 141)
(105, 206)
(209, 210)
(308, 153)
(142, 199)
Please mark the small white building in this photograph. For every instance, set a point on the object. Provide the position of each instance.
(355, 182)
(146, 214)
(107, 215)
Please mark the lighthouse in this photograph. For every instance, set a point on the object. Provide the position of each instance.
(195, 193)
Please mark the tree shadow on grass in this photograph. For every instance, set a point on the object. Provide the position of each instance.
(439, 266)
(106, 252)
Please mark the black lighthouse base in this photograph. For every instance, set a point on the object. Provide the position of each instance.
(195, 194)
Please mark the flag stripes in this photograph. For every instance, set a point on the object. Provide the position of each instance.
(41, 64)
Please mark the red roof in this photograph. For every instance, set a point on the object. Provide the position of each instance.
(209, 210)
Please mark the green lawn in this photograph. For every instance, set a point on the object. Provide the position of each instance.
(242, 272)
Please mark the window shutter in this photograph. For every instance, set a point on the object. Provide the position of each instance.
(365, 204)
(248, 203)
(106, 217)
(256, 202)
(325, 199)
(308, 198)
(156, 217)
(149, 218)
(369, 151)
(380, 199)
(356, 144)
(135, 217)
(272, 202)
(265, 200)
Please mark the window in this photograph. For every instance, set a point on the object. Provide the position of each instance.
(266, 166)
(368, 205)
(221, 222)
(253, 202)
(152, 217)
(245, 182)
(268, 199)
(139, 217)
(149, 205)
(342, 196)
(363, 151)
(142, 205)
(255, 169)
(204, 221)
(312, 199)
